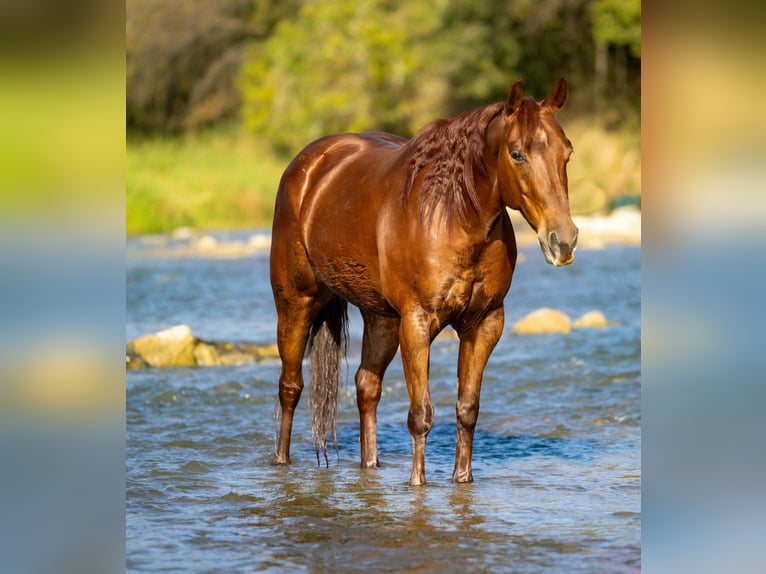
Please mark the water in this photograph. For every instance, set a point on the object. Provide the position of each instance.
(556, 458)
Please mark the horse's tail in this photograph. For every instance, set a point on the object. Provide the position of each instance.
(328, 342)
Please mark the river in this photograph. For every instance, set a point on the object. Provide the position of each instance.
(556, 461)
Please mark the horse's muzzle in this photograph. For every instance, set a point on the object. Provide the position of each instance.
(559, 245)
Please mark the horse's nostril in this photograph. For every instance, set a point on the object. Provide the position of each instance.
(553, 239)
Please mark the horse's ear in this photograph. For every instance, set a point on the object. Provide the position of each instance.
(558, 97)
(513, 101)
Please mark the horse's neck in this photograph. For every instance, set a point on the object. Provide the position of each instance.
(488, 190)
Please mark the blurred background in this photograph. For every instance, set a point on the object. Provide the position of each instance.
(62, 285)
(221, 95)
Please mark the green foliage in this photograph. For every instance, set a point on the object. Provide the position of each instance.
(295, 70)
(605, 166)
(554, 41)
(343, 65)
(477, 53)
(618, 22)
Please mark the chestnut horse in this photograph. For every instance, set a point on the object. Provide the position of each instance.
(416, 235)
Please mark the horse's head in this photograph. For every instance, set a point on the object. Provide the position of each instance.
(532, 169)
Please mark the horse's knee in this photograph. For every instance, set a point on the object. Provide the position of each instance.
(420, 419)
(467, 412)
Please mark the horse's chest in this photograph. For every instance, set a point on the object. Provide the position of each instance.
(473, 290)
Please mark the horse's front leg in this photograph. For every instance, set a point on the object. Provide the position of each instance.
(415, 342)
(379, 344)
(476, 345)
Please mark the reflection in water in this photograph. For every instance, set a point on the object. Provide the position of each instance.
(556, 452)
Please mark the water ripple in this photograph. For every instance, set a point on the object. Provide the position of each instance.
(556, 454)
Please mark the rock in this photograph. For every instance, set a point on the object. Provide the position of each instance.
(206, 355)
(134, 361)
(259, 242)
(209, 246)
(446, 334)
(182, 233)
(177, 347)
(173, 347)
(543, 320)
(591, 320)
(237, 358)
(206, 243)
(243, 353)
(264, 352)
(623, 225)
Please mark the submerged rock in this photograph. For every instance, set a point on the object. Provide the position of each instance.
(542, 321)
(206, 355)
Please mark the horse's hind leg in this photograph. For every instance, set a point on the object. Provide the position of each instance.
(293, 324)
(298, 298)
(379, 344)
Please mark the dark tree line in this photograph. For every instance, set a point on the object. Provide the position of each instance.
(294, 69)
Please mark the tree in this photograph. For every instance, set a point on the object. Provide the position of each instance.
(344, 65)
(616, 30)
(479, 52)
(182, 61)
(298, 69)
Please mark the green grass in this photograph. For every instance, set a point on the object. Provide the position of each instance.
(223, 178)
(227, 178)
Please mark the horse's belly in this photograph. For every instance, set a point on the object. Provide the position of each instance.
(354, 281)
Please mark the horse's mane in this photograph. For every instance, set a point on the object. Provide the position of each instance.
(446, 162)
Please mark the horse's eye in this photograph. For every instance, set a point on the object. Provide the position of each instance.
(517, 155)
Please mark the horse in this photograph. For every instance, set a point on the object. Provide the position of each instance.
(416, 234)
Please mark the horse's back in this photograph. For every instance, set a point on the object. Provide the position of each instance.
(338, 156)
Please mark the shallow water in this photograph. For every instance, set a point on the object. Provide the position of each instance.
(556, 459)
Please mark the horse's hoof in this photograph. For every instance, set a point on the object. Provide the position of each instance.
(462, 479)
(280, 461)
(417, 481)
